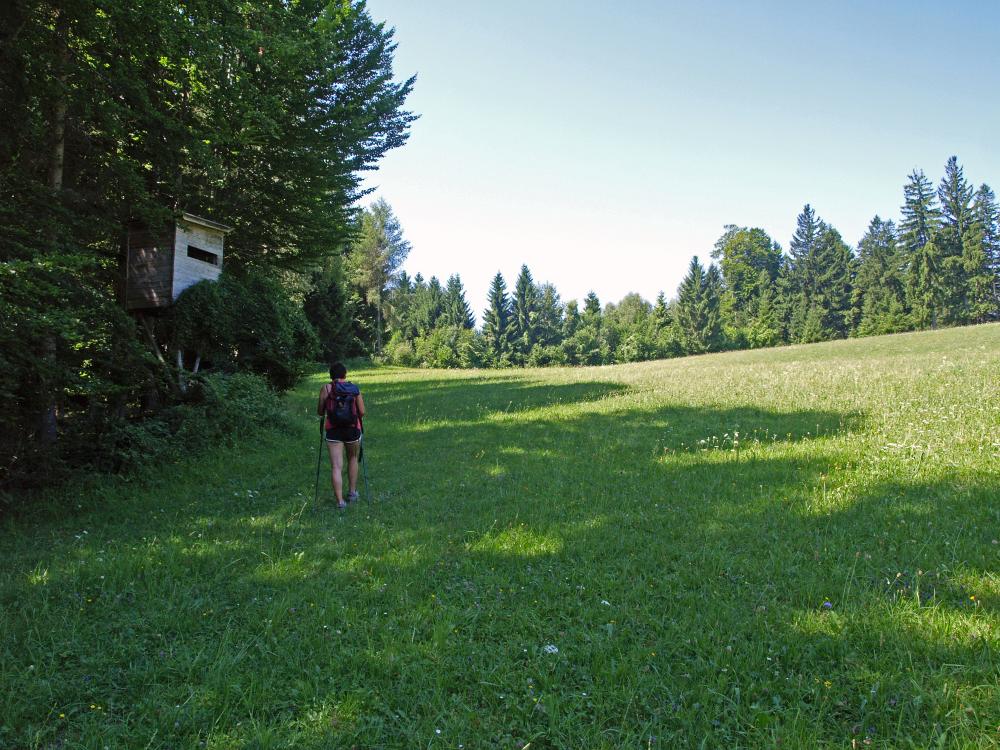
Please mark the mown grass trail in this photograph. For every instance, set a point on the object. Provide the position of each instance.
(794, 547)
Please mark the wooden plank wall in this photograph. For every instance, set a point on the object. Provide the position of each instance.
(148, 271)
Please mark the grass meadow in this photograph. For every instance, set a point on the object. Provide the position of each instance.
(795, 547)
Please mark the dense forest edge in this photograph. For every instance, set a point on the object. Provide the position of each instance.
(266, 119)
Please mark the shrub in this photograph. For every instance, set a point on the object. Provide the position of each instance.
(244, 324)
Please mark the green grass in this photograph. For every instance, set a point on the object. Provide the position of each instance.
(577, 558)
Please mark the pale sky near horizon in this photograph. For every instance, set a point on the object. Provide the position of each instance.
(604, 144)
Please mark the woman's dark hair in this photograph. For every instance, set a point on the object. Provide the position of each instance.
(338, 371)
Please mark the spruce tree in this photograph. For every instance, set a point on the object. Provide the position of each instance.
(988, 219)
(921, 215)
(550, 316)
(524, 305)
(798, 283)
(955, 196)
(455, 309)
(879, 294)
(808, 227)
(834, 264)
(571, 319)
(496, 323)
(925, 290)
(765, 322)
(981, 258)
(696, 312)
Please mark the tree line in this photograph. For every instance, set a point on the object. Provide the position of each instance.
(939, 266)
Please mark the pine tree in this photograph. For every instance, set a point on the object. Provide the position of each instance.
(524, 305)
(376, 257)
(455, 309)
(496, 323)
(765, 323)
(981, 258)
(955, 196)
(834, 264)
(878, 298)
(591, 315)
(661, 312)
(696, 312)
(925, 291)
(987, 219)
(571, 319)
(921, 215)
(550, 316)
(798, 277)
(808, 228)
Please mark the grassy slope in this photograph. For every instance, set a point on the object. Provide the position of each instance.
(607, 513)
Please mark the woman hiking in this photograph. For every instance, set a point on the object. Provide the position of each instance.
(343, 405)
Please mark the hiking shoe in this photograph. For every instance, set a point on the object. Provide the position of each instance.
(341, 505)
(353, 497)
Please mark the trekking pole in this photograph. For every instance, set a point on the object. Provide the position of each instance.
(364, 470)
(319, 460)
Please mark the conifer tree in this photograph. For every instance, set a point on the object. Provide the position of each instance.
(833, 262)
(661, 312)
(765, 322)
(981, 258)
(879, 294)
(696, 313)
(496, 323)
(925, 290)
(376, 257)
(455, 309)
(550, 316)
(571, 319)
(798, 282)
(808, 227)
(921, 215)
(524, 320)
(988, 218)
(955, 197)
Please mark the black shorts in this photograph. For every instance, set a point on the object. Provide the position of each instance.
(343, 435)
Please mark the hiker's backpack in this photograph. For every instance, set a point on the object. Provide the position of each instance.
(341, 405)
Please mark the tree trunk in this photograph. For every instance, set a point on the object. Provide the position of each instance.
(378, 323)
(48, 425)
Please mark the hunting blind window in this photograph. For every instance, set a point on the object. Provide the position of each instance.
(203, 255)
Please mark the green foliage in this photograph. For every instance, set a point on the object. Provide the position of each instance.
(262, 116)
(525, 308)
(375, 258)
(455, 308)
(497, 323)
(449, 347)
(696, 312)
(329, 309)
(245, 323)
(76, 351)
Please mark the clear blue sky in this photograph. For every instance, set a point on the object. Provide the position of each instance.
(604, 144)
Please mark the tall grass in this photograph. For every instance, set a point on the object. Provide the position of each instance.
(796, 546)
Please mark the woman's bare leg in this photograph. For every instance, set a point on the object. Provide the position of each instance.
(336, 469)
(352, 466)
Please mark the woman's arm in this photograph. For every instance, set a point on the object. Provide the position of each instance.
(361, 405)
(320, 410)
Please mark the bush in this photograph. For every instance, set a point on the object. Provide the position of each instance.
(400, 351)
(245, 324)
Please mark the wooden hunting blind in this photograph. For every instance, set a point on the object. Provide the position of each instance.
(161, 265)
